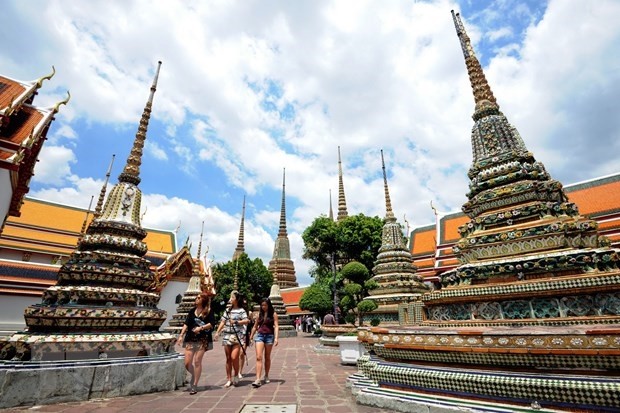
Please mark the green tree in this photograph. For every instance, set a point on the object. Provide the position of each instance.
(254, 280)
(317, 298)
(356, 288)
(355, 238)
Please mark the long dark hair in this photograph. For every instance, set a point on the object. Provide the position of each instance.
(240, 298)
(270, 310)
(205, 302)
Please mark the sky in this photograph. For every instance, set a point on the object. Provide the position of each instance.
(250, 87)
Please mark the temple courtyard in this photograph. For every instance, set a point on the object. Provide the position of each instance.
(302, 381)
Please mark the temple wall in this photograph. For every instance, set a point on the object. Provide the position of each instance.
(6, 192)
(12, 312)
(168, 296)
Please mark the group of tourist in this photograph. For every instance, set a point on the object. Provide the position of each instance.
(238, 330)
(307, 324)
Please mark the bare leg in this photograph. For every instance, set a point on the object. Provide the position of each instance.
(189, 356)
(198, 355)
(234, 355)
(241, 362)
(259, 359)
(229, 363)
(268, 348)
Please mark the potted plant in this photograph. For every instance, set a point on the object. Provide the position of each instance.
(350, 348)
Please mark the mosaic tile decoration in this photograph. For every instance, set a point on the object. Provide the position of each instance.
(520, 387)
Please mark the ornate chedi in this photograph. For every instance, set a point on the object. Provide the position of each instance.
(240, 249)
(281, 265)
(532, 314)
(102, 301)
(342, 201)
(394, 272)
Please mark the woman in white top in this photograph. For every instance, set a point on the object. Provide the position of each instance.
(233, 323)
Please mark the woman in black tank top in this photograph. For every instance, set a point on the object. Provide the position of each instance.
(266, 331)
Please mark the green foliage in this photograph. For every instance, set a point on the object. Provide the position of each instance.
(352, 289)
(255, 281)
(317, 299)
(366, 306)
(359, 239)
(355, 272)
(375, 322)
(350, 318)
(355, 238)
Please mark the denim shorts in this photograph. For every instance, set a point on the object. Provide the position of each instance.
(264, 338)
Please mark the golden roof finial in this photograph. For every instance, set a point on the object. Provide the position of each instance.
(483, 96)
(389, 215)
(200, 242)
(83, 230)
(99, 206)
(39, 82)
(62, 102)
(131, 173)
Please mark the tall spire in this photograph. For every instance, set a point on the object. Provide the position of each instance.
(389, 215)
(483, 96)
(282, 230)
(331, 211)
(131, 173)
(240, 241)
(281, 265)
(342, 202)
(99, 206)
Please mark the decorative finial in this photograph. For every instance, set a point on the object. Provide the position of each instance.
(240, 241)
(389, 215)
(39, 82)
(99, 206)
(131, 173)
(144, 213)
(342, 202)
(83, 230)
(62, 102)
(282, 229)
(433, 208)
(406, 223)
(200, 242)
(483, 96)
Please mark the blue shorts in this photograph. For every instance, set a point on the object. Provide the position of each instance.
(264, 338)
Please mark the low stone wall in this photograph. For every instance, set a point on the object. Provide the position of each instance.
(331, 331)
(36, 383)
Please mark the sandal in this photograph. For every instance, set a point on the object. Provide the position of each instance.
(256, 384)
(193, 390)
(267, 380)
(228, 383)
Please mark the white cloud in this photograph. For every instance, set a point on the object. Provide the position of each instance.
(362, 75)
(54, 165)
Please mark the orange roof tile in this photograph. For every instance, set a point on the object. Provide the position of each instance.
(423, 240)
(450, 225)
(58, 226)
(11, 90)
(596, 197)
(292, 296)
(21, 125)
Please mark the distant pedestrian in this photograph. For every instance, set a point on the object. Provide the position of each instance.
(265, 334)
(329, 319)
(196, 337)
(233, 323)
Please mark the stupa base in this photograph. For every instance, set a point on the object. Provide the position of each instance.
(46, 382)
(54, 347)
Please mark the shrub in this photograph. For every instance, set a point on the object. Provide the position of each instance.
(375, 322)
(350, 318)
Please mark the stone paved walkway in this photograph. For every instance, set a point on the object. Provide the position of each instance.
(314, 382)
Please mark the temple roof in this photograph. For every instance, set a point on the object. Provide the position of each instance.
(52, 227)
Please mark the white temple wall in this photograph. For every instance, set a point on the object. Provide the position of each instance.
(168, 296)
(12, 312)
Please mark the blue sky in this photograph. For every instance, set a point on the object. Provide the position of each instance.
(248, 88)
